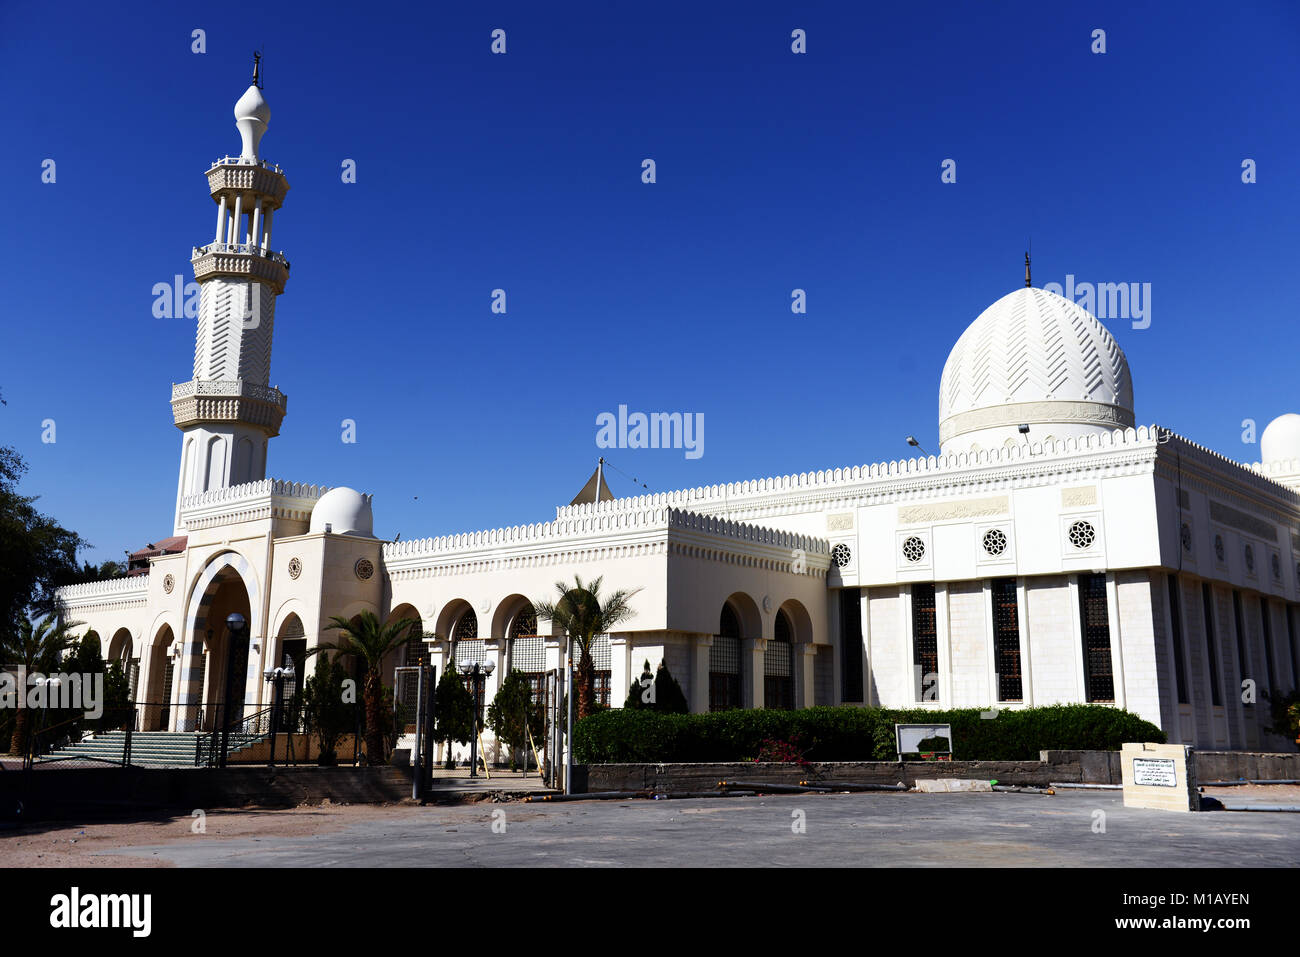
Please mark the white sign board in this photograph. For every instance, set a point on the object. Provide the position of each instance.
(909, 737)
(1159, 772)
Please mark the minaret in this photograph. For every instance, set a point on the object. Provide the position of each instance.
(229, 410)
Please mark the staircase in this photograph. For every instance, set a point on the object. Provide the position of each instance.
(149, 749)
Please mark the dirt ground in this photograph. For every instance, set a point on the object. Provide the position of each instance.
(74, 845)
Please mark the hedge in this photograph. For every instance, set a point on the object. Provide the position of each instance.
(850, 734)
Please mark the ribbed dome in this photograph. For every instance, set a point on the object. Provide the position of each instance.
(1036, 358)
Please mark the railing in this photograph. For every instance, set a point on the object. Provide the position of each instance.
(213, 748)
(244, 161)
(246, 249)
(231, 387)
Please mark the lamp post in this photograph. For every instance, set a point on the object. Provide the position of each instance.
(277, 676)
(235, 626)
(911, 440)
(478, 678)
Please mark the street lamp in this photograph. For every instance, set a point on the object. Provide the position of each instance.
(478, 677)
(277, 677)
(911, 440)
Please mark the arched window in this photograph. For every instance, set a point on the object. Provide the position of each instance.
(724, 662)
(528, 650)
(778, 666)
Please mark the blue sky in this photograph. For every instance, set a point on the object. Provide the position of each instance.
(775, 171)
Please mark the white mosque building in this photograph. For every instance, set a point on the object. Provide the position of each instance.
(1053, 551)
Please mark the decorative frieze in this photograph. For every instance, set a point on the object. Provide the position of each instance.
(1079, 496)
(946, 511)
(1227, 515)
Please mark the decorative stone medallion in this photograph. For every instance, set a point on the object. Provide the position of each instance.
(767, 604)
(995, 541)
(295, 568)
(841, 554)
(1082, 535)
(364, 568)
(168, 583)
(913, 549)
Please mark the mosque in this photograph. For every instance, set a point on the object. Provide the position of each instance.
(1052, 551)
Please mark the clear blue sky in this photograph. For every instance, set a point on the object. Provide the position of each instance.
(775, 172)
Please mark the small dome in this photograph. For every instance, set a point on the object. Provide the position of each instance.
(1281, 439)
(346, 511)
(1033, 358)
(252, 114)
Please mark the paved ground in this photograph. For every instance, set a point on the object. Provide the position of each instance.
(879, 829)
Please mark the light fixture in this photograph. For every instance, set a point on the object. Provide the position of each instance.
(1024, 428)
(490, 667)
(911, 440)
(466, 667)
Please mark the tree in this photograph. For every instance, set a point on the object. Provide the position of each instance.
(325, 713)
(35, 647)
(583, 616)
(37, 555)
(372, 641)
(453, 711)
(659, 692)
(513, 713)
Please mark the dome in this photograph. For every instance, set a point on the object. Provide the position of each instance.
(252, 114)
(1281, 439)
(345, 510)
(1033, 358)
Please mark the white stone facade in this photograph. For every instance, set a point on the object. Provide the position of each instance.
(1015, 569)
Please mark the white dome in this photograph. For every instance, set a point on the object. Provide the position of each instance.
(346, 511)
(1281, 439)
(1036, 358)
(252, 114)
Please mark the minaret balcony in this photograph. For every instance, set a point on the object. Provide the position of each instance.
(247, 175)
(228, 401)
(241, 261)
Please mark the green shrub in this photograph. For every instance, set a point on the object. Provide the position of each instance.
(850, 734)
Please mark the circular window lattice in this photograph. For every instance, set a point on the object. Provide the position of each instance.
(295, 568)
(1218, 547)
(913, 549)
(1277, 567)
(168, 583)
(364, 568)
(995, 541)
(1250, 559)
(841, 554)
(1082, 534)
(1186, 535)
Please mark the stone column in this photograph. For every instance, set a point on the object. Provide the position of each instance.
(701, 649)
(189, 680)
(752, 650)
(221, 220)
(805, 675)
(620, 680)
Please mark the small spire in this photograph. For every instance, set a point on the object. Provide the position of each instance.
(257, 69)
(1027, 283)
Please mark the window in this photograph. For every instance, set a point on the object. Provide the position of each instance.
(925, 643)
(995, 541)
(778, 667)
(851, 685)
(528, 652)
(1082, 535)
(1207, 598)
(1176, 634)
(1266, 619)
(1244, 672)
(1006, 639)
(1094, 619)
(841, 555)
(913, 549)
(600, 658)
(724, 663)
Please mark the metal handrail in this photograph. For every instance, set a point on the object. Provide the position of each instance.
(257, 723)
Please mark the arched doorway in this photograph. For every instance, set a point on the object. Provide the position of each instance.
(162, 677)
(527, 650)
(778, 665)
(724, 661)
(215, 687)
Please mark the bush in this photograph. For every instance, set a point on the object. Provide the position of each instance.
(666, 697)
(512, 715)
(850, 734)
(325, 712)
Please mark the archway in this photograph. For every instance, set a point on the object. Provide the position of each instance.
(527, 649)
(778, 665)
(121, 648)
(724, 661)
(162, 677)
(215, 689)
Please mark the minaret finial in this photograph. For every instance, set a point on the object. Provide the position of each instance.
(257, 69)
(1027, 283)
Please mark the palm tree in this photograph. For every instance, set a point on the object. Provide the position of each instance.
(583, 615)
(35, 647)
(371, 641)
